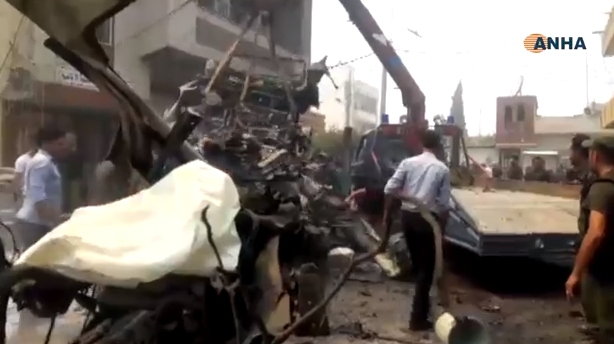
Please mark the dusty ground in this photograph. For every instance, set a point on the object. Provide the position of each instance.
(517, 309)
(378, 312)
(382, 311)
(368, 312)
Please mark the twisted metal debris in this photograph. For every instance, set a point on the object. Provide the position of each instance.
(249, 128)
(289, 222)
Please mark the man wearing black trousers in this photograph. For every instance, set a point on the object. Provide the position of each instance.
(427, 179)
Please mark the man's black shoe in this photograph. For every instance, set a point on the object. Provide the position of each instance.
(417, 326)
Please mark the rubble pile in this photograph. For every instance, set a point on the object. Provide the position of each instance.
(288, 223)
(252, 135)
(249, 128)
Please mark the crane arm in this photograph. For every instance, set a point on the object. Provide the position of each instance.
(413, 98)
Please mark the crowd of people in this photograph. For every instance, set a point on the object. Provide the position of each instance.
(42, 180)
(426, 178)
(39, 190)
(537, 171)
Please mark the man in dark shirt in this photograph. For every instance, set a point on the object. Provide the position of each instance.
(578, 157)
(71, 169)
(538, 172)
(596, 253)
(514, 171)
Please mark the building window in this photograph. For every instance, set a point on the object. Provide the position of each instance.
(288, 27)
(521, 113)
(508, 114)
(104, 32)
(365, 103)
(225, 10)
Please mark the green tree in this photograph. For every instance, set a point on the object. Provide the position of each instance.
(331, 142)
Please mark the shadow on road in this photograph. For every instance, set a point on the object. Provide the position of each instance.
(507, 276)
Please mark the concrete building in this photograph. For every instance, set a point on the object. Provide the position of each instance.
(313, 120)
(353, 96)
(154, 45)
(163, 44)
(607, 37)
(482, 149)
(607, 48)
(520, 131)
(37, 87)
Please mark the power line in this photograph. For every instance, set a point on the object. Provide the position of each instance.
(12, 44)
(404, 51)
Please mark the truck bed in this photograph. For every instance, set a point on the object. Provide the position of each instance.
(509, 212)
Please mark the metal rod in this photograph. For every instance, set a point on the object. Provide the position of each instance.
(587, 77)
(383, 89)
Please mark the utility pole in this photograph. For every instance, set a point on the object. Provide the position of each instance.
(384, 78)
(383, 88)
(480, 124)
(383, 92)
(587, 78)
(347, 131)
(586, 72)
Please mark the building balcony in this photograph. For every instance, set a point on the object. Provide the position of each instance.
(607, 37)
(205, 29)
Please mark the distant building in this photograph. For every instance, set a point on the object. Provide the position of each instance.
(607, 114)
(313, 120)
(482, 149)
(607, 37)
(156, 46)
(607, 48)
(157, 56)
(520, 131)
(355, 96)
(36, 87)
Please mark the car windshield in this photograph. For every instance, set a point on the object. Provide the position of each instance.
(392, 149)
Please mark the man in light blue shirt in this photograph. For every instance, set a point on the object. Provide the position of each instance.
(42, 184)
(41, 208)
(426, 178)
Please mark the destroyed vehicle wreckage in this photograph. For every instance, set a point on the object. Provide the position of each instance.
(265, 154)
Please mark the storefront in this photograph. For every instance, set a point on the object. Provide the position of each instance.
(86, 112)
(607, 115)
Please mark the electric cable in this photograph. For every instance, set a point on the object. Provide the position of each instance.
(11, 44)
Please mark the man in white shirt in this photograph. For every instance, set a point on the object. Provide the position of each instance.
(427, 179)
(42, 199)
(20, 168)
(487, 174)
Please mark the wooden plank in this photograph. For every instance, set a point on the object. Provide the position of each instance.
(508, 212)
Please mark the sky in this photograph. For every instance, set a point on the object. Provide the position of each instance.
(481, 43)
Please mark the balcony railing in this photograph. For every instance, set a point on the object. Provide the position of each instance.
(224, 9)
(287, 39)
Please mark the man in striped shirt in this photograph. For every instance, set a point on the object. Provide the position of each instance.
(426, 178)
